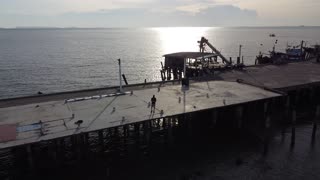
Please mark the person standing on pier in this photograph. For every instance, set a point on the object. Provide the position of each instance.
(153, 103)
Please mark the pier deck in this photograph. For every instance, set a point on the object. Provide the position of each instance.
(280, 77)
(33, 119)
(41, 121)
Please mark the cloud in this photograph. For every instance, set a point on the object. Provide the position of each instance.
(222, 15)
(128, 13)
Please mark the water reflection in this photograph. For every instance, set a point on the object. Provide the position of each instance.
(177, 39)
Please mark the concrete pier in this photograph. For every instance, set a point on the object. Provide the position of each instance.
(77, 125)
(56, 119)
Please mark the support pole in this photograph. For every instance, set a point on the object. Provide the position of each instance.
(301, 49)
(238, 60)
(120, 75)
(184, 68)
(240, 47)
(125, 79)
(162, 76)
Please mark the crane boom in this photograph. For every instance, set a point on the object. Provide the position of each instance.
(204, 42)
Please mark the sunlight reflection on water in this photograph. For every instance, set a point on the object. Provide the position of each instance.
(180, 39)
(52, 60)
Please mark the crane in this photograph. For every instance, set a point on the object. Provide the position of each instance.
(204, 42)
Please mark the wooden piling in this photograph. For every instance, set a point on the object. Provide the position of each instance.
(293, 131)
(214, 118)
(137, 130)
(297, 98)
(285, 115)
(267, 125)
(169, 132)
(116, 132)
(86, 145)
(57, 143)
(239, 116)
(238, 60)
(168, 74)
(30, 157)
(311, 98)
(164, 75)
(78, 146)
(267, 135)
(189, 123)
(101, 141)
(315, 120)
(147, 131)
(53, 151)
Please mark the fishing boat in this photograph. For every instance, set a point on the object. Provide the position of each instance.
(291, 54)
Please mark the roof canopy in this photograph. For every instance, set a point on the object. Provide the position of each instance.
(192, 55)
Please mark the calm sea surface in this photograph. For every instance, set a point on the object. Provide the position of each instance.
(70, 59)
(55, 60)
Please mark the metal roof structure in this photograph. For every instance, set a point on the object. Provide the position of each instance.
(31, 123)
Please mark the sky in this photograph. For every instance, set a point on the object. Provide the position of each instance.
(158, 13)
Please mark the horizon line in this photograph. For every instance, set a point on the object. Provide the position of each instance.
(49, 27)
